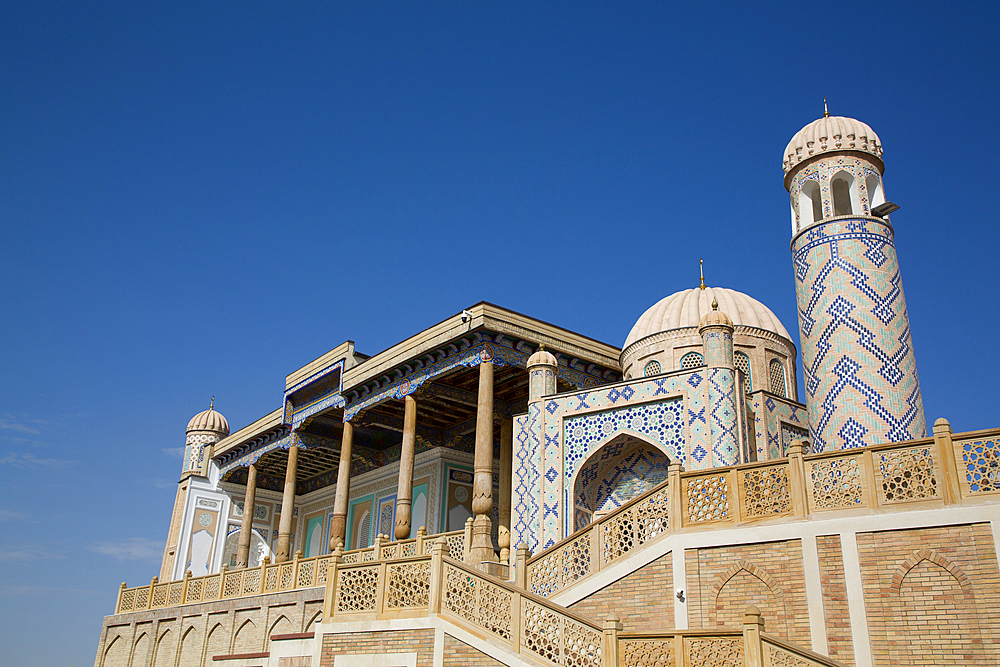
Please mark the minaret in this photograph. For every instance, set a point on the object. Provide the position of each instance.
(861, 382)
(203, 431)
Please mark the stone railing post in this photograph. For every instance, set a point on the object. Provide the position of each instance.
(675, 510)
(797, 477)
(612, 626)
(438, 552)
(118, 602)
(295, 568)
(468, 541)
(331, 583)
(377, 545)
(946, 462)
(264, 562)
(152, 588)
(421, 534)
(753, 648)
(184, 586)
(521, 566)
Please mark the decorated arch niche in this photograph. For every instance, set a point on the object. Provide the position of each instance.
(617, 472)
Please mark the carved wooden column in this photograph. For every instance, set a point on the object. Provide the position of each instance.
(246, 529)
(482, 485)
(404, 491)
(284, 547)
(338, 523)
(506, 472)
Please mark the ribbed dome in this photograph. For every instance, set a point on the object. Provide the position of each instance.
(209, 420)
(543, 357)
(685, 309)
(833, 133)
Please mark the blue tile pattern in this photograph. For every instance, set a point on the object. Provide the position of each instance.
(860, 370)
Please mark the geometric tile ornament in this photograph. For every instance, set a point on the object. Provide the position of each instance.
(857, 354)
(689, 416)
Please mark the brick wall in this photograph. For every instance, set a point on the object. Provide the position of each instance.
(835, 609)
(722, 581)
(643, 599)
(459, 653)
(932, 595)
(420, 642)
(190, 636)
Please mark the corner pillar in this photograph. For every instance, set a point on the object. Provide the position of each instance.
(404, 492)
(506, 472)
(283, 550)
(246, 529)
(338, 523)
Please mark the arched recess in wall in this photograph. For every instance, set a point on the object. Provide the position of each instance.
(140, 650)
(613, 474)
(217, 644)
(164, 654)
(692, 360)
(776, 371)
(873, 184)
(846, 199)
(742, 363)
(316, 618)
(744, 584)
(282, 626)
(190, 648)
(246, 640)
(810, 204)
(652, 368)
(919, 592)
(116, 653)
(364, 531)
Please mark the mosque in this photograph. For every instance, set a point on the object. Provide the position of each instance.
(498, 490)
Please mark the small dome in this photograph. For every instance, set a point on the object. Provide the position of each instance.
(209, 420)
(833, 133)
(686, 308)
(542, 357)
(715, 318)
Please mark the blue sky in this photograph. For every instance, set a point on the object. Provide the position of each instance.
(197, 199)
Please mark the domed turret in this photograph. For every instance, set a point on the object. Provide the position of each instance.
(828, 134)
(542, 367)
(203, 431)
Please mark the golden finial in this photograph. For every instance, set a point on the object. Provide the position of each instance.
(715, 303)
(701, 268)
(826, 112)
(211, 406)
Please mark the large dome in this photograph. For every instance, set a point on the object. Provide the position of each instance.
(830, 133)
(685, 309)
(209, 420)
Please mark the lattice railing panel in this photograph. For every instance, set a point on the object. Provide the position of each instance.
(456, 546)
(322, 570)
(357, 589)
(477, 601)
(271, 579)
(408, 585)
(561, 567)
(617, 535)
(835, 482)
(907, 474)
(388, 551)
(707, 498)
(981, 465)
(142, 597)
(159, 595)
(782, 658)
(540, 631)
(176, 593)
(251, 581)
(195, 588)
(408, 549)
(306, 571)
(652, 515)
(714, 652)
(232, 584)
(581, 645)
(211, 588)
(646, 652)
(764, 491)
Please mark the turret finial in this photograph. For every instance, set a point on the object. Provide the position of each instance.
(826, 112)
(211, 406)
(715, 303)
(701, 268)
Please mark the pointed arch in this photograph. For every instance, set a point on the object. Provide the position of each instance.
(810, 204)
(217, 643)
(190, 648)
(246, 639)
(281, 626)
(115, 653)
(162, 656)
(934, 557)
(364, 530)
(846, 198)
(316, 618)
(140, 651)
(745, 583)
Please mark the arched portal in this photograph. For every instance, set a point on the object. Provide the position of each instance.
(614, 474)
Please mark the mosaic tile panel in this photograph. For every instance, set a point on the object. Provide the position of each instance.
(860, 370)
(773, 417)
(625, 468)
